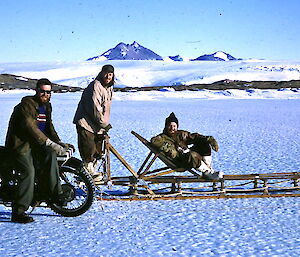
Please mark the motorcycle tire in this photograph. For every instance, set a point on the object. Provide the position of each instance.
(82, 188)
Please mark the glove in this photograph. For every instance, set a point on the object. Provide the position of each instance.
(66, 145)
(107, 128)
(56, 147)
(213, 143)
(63, 144)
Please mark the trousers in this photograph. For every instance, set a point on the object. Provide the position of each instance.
(40, 167)
(194, 158)
(89, 144)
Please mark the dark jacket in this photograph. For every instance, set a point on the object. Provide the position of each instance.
(173, 147)
(23, 131)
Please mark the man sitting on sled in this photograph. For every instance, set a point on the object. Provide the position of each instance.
(175, 144)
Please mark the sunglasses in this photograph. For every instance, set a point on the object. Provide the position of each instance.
(42, 91)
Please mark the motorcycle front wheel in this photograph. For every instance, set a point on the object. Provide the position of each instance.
(81, 187)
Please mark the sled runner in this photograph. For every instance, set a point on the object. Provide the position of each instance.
(159, 178)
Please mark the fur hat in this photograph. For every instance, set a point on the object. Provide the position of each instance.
(108, 68)
(171, 118)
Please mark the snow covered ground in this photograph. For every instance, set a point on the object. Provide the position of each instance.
(255, 135)
(158, 73)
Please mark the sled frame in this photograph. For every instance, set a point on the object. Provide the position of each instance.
(231, 186)
(146, 174)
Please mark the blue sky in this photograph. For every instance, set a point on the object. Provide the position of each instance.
(74, 30)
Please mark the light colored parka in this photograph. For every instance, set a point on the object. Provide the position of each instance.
(93, 110)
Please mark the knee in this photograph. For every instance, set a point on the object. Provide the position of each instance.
(27, 174)
(50, 154)
(193, 159)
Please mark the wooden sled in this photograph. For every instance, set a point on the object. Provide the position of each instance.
(159, 178)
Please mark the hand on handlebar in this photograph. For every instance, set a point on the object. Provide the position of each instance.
(60, 150)
(67, 145)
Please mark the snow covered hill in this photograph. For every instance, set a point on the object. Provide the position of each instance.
(148, 73)
(176, 58)
(217, 56)
(123, 51)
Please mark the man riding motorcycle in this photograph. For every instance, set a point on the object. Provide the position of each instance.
(33, 145)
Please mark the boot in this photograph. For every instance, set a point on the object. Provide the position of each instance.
(97, 177)
(213, 175)
(207, 170)
(91, 168)
(21, 218)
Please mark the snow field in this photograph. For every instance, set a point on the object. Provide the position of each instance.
(254, 136)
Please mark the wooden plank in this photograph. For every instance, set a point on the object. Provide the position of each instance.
(107, 162)
(261, 176)
(182, 197)
(144, 163)
(159, 178)
(148, 166)
(203, 193)
(149, 177)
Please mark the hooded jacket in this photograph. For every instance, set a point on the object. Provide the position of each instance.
(23, 131)
(93, 110)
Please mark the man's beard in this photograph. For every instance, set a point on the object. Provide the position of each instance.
(44, 100)
(110, 83)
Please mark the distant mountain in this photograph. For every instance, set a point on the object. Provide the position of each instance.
(135, 51)
(217, 56)
(176, 58)
(124, 51)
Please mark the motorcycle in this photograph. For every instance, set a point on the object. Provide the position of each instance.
(75, 180)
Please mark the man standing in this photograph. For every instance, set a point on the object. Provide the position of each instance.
(175, 144)
(92, 118)
(34, 144)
